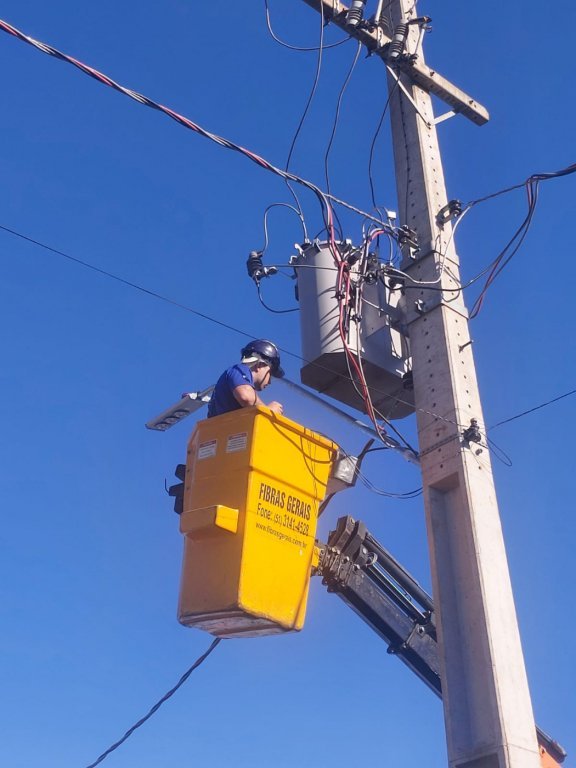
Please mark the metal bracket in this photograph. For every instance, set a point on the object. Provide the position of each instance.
(445, 116)
(404, 90)
(451, 210)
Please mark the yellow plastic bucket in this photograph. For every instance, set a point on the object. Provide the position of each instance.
(254, 482)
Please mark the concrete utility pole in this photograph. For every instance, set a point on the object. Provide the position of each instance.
(487, 707)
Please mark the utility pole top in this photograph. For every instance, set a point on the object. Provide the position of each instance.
(376, 39)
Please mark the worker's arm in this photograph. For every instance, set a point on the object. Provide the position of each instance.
(247, 396)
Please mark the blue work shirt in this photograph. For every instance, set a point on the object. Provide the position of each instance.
(223, 400)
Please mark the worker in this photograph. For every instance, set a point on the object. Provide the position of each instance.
(239, 385)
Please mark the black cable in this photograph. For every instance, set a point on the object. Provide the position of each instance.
(504, 257)
(531, 184)
(303, 118)
(373, 144)
(388, 494)
(500, 453)
(129, 283)
(102, 78)
(358, 473)
(270, 309)
(156, 706)
(336, 119)
(296, 47)
(204, 316)
(220, 140)
(311, 94)
(393, 428)
(531, 410)
(534, 177)
(280, 205)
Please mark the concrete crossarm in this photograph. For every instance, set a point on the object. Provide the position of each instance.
(376, 38)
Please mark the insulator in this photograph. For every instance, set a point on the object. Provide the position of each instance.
(255, 266)
(355, 13)
(398, 43)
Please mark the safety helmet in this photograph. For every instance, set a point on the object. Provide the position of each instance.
(267, 352)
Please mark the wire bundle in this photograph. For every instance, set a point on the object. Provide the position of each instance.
(322, 197)
(495, 268)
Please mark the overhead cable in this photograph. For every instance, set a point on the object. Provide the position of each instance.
(531, 185)
(271, 309)
(391, 92)
(303, 117)
(298, 47)
(535, 177)
(255, 158)
(197, 313)
(156, 706)
(337, 113)
(510, 249)
(129, 283)
(142, 289)
(535, 408)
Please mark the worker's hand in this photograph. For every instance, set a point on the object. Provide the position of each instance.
(276, 407)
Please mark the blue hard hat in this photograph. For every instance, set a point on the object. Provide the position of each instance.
(267, 352)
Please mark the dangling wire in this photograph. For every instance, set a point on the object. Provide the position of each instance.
(297, 47)
(373, 143)
(335, 124)
(271, 309)
(305, 113)
(265, 223)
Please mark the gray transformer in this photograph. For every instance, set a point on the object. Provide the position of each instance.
(374, 339)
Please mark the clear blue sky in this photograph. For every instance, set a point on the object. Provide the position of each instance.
(90, 545)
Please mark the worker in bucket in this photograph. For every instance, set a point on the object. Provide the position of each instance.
(238, 387)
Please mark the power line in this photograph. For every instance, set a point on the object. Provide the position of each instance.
(304, 115)
(375, 138)
(204, 316)
(536, 408)
(129, 283)
(156, 706)
(156, 295)
(535, 177)
(271, 309)
(531, 185)
(312, 93)
(495, 267)
(187, 123)
(186, 308)
(323, 197)
(297, 47)
(337, 117)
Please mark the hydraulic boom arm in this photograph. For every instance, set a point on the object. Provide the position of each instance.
(367, 577)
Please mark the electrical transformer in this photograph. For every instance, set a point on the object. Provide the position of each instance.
(373, 333)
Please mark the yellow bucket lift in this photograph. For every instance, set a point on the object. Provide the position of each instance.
(254, 482)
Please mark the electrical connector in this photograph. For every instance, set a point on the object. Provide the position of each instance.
(472, 433)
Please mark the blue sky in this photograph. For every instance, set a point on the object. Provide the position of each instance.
(90, 545)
